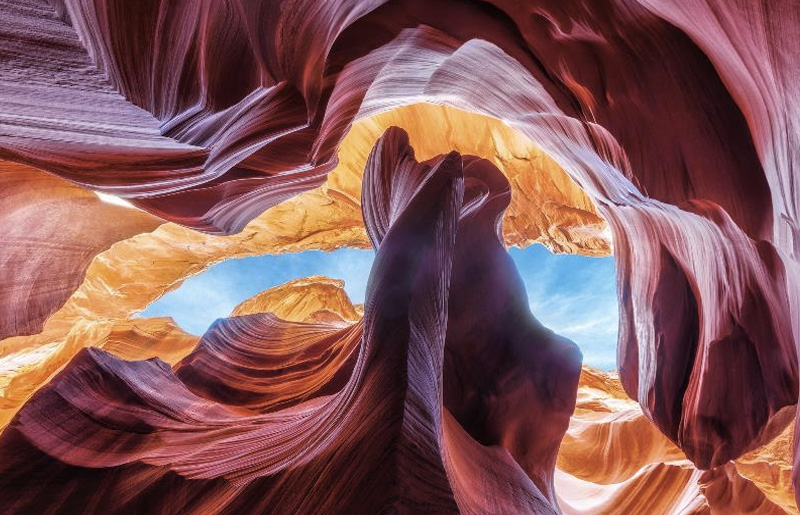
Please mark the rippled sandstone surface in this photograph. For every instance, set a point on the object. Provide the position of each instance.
(328, 393)
(123, 280)
(614, 460)
(611, 460)
(678, 120)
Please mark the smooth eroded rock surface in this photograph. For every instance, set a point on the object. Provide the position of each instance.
(678, 120)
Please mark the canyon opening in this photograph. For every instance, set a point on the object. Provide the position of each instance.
(481, 257)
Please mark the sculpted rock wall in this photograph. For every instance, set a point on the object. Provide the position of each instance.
(49, 235)
(614, 460)
(547, 207)
(24, 372)
(611, 460)
(678, 119)
(361, 418)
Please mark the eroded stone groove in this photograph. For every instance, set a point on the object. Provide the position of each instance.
(252, 376)
(677, 119)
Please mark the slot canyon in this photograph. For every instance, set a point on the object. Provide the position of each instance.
(429, 146)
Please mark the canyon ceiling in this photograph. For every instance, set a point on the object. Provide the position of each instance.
(141, 142)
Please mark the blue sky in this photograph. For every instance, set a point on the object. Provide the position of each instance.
(573, 295)
(213, 294)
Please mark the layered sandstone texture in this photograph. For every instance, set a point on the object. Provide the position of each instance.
(614, 460)
(611, 460)
(547, 208)
(394, 420)
(246, 126)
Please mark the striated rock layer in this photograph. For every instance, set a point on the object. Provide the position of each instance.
(678, 119)
(400, 411)
(22, 373)
(614, 460)
(50, 235)
(123, 280)
(611, 460)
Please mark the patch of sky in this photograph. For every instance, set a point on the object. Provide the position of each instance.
(573, 295)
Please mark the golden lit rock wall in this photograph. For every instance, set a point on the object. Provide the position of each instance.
(612, 458)
(308, 299)
(547, 207)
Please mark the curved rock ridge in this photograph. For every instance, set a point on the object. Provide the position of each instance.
(398, 412)
(770, 468)
(609, 439)
(309, 299)
(23, 373)
(547, 206)
(261, 363)
(725, 321)
(140, 338)
(312, 299)
(675, 487)
(614, 460)
(678, 119)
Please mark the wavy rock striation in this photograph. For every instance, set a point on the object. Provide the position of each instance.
(611, 459)
(22, 373)
(50, 237)
(614, 460)
(678, 119)
(335, 431)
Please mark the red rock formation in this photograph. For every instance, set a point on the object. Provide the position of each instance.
(262, 363)
(49, 236)
(22, 373)
(546, 207)
(679, 119)
(299, 417)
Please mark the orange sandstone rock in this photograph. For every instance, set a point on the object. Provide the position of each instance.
(22, 373)
(309, 299)
(614, 460)
(546, 207)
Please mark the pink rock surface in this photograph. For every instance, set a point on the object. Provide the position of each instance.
(679, 119)
(49, 235)
(413, 409)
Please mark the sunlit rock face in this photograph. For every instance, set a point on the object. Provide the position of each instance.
(677, 119)
(399, 411)
(22, 373)
(311, 299)
(614, 460)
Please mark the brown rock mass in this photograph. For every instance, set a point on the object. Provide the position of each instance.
(125, 279)
(674, 122)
